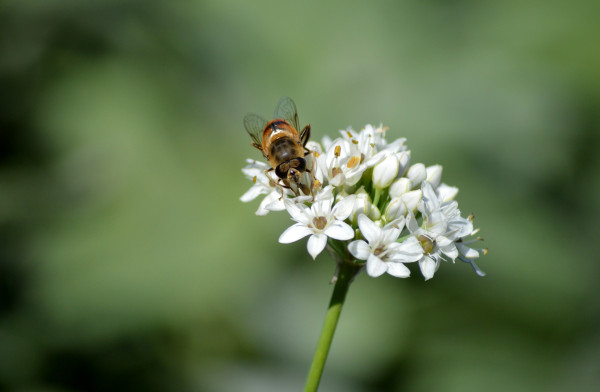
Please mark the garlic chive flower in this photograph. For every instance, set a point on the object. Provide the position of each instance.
(319, 221)
(381, 249)
(371, 206)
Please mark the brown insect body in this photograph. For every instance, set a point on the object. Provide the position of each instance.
(281, 144)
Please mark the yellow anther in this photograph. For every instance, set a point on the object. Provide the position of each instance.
(352, 162)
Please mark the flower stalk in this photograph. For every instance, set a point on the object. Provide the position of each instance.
(344, 275)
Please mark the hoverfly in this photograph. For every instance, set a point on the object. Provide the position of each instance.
(281, 145)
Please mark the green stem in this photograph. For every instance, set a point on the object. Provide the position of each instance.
(377, 195)
(345, 274)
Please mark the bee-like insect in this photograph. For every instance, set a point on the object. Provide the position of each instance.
(280, 144)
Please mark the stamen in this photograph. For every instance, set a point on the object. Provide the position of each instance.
(354, 141)
(353, 162)
(379, 250)
(254, 180)
(337, 151)
(335, 171)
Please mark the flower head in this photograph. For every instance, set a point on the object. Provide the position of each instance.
(371, 205)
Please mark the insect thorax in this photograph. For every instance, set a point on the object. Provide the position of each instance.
(284, 149)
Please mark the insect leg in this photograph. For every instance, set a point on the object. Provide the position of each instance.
(305, 135)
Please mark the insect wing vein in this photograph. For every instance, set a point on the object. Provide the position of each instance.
(286, 109)
(255, 125)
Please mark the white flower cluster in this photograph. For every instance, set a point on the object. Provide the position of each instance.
(371, 206)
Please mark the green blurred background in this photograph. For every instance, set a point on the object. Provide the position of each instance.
(127, 261)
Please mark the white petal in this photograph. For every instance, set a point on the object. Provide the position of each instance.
(294, 233)
(299, 212)
(339, 230)
(411, 223)
(428, 267)
(446, 193)
(467, 252)
(343, 208)
(430, 199)
(390, 234)
(404, 159)
(375, 267)
(385, 172)
(450, 251)
(411, 199)
(417, 173)
(252, 193)
(359, 249)
(273, 202)
(434, 175)
(399, 187)
(369, 229)
(461, 227)
(398, 270)
(407, 251)
(316, 244)
(395, 209)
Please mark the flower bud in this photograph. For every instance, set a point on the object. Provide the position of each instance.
(416, 174)
(411, 199)
(400, 186)
(395, 209)
(374, 214)
(385, 171)
(434, 175)
(404, 159)
(446, 192)
(362, 204)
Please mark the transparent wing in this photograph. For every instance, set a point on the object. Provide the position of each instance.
(286, 109)
(255, 126)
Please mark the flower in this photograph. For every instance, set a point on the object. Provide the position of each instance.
(342, 163)
(382, 251)
(263, 184)
(319, 221)
(371, 205)
(441, 227)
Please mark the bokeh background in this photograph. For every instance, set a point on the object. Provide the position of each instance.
(127, 261)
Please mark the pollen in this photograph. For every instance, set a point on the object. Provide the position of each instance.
(353, 162)
(319, 222)
(316, 154)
